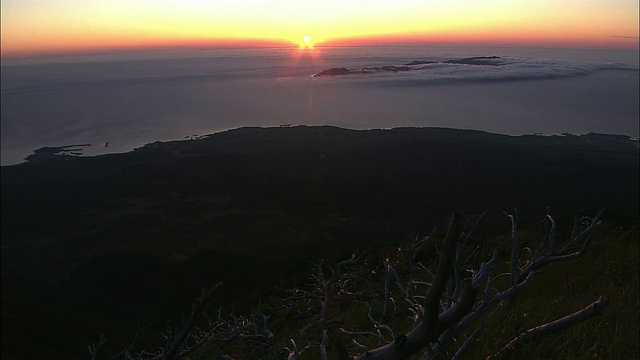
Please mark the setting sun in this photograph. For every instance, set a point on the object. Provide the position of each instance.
(307, 42)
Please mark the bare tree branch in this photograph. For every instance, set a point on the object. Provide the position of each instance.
(431, 324)
(176, 349)
(540, 331)
(441, 313)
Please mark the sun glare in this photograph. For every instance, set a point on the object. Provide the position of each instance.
(307, 42)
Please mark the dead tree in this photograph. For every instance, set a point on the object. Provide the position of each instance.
(451, 305)
(446, 305)
(551, 327)
(433, 323)
(327, 287)
(184, 340)
(179, 341)
(253, 329)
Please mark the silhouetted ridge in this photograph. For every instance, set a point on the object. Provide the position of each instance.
(334, 71)
(56, 152)
(420, 62)
(477, 60)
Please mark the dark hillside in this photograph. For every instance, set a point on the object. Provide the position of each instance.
(122, 238)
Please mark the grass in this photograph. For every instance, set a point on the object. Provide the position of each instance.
(610, 268)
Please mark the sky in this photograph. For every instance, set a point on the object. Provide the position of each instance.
(40, 27)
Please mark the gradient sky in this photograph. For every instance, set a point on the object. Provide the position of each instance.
(35, 27)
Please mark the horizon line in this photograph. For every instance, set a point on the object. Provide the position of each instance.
(239, 44)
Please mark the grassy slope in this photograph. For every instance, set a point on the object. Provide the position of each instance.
(609, 269)
(100, 240)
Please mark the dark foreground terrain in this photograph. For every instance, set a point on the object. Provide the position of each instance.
(98, 245)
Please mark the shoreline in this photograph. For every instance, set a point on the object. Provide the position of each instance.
(75, 150)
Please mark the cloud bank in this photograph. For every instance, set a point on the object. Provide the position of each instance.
(472, 69)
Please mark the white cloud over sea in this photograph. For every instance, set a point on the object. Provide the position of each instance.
(503, 69)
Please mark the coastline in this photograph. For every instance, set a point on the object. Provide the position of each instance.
(196, 141)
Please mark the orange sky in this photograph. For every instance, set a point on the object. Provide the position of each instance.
(36, 27)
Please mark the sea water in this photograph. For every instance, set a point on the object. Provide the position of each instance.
(117, 102)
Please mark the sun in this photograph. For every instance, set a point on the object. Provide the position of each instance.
(307, 42)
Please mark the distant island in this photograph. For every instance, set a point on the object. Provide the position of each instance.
(414, 65)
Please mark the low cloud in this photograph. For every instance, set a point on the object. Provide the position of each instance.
(457, 70)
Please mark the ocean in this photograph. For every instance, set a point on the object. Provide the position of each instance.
(127, 100)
